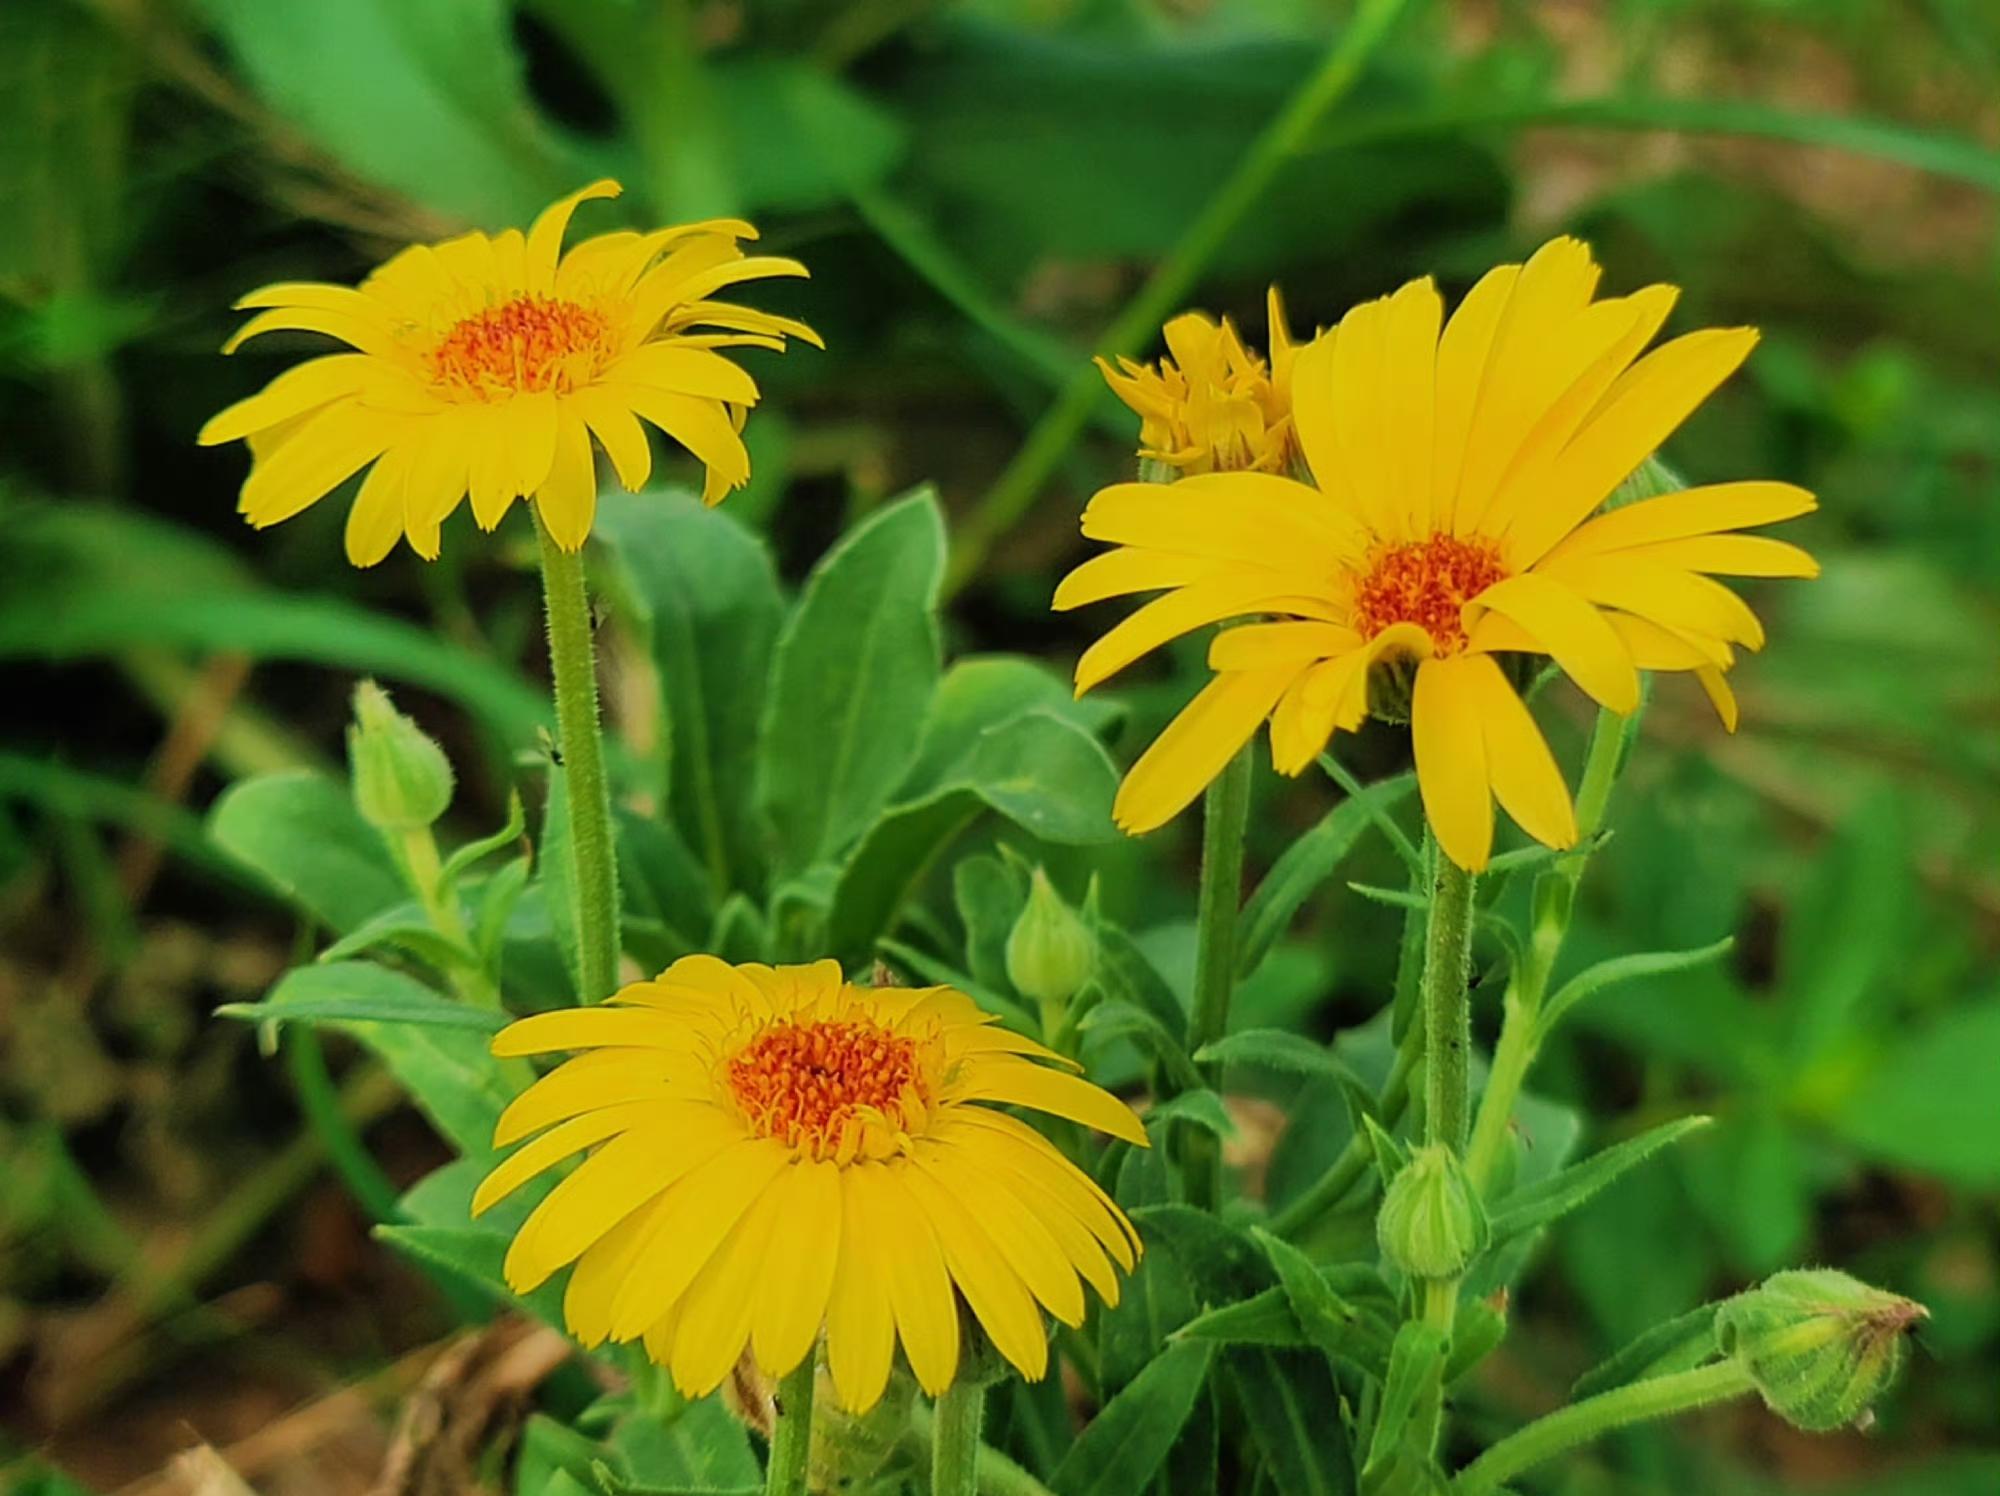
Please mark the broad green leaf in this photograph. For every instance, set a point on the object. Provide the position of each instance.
(1128, 1020)
(1550, 1199)
(475, 1256)
(448, 1071)
(1305, 865)
(700, 1448)
(1156, 1299)
(1128, 1440)
(404, 927)
(1199, 1108)
(1222, 1262)
(549, 1448)
(705, 591)
(1588, 983)
(1932, 1102)
(989, 895)
(1042, 773)
(661, 881)
(981, 692)
(447, 121)
(300, 832)
(1327, 1321)
(853, 669)
(1846, 933)
(1294, 1411)
(357, 997)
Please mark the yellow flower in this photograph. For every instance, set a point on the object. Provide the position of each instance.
(1213, 406)
(488, 364)
(778, 1150)
(1457, 473)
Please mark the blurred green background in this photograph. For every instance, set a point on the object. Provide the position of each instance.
(980, 188)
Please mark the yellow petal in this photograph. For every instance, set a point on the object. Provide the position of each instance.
(1031, 1253)
(440, 470)
(1010, 1140)
(1183, 610)
(375, 523)
(544, 246)
(1731, 556)
(1251, 517)
(530, 427)
(804, 1254)
(712, 1320)
(1640, 412)
(1259, 646)
(1656, 648)
(1016, 1082)
(293, 393)
(1131, 569)
(920, 1290)
(618, 431)
(590, 1081)
(1677, 599)
(608, 1186)
(328, 449)
(998, 1298)
(704, 1208)
(1525, 778)
(559, 1142)
(998, 1167)
(1196, 746)
(589, 1028)
(1572, 632)
(602, 1270)
(1683, 516)
(1463, 351)
(1450, 749)
(1720, 696)
(860, 1326)
(567, 499)
(702, 426)
(684, 371)
(370, 332)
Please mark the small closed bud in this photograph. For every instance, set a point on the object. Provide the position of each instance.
(1050, 951)
(402, 780)
(1431, 1224)
(1820, 1345)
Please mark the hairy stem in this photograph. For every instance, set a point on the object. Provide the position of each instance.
(791, 1438)
(955, 1439)
(1225, 815)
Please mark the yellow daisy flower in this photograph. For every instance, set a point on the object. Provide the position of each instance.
(1213, 405)
(778, 1150)
(487, 365)
(1457, 473)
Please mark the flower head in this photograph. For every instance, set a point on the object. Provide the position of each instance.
(1213, 405)
(1458, 470)
(488, 365)
(777, 1150)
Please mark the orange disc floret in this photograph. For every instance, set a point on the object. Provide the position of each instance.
(1425, 582)
(523, 346)
(803, 1083)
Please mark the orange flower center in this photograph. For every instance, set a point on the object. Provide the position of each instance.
(522, 347)
(1425, 582)
(803, 1083)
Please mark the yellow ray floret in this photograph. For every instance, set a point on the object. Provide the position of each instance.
(493, 367)
(772, 1152)
(1457, 472)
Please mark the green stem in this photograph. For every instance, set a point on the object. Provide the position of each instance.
(1225, 815)
(1283, 138)
(791, 1439)
(572, 659)
(338, 1137)
(1447, 1012)
(998, 1475)
(1579, 1423)
(1521, 1009)
(418, 849)
(955, 1439)
(1440, 1304)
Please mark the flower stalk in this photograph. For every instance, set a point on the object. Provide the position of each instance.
(1446, 1008)
(791, 1435)
(955, 1438)
(594, 870)
(1225, 816)
(1594, 1417)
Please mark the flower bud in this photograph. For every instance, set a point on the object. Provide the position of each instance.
(1819, 1345)
(1050, 951)
(1431, 1224)
(402, 780)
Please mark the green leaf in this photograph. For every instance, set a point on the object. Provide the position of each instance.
(1294, 1411)
(1129, 1020)
(854, 667)
(661, 881)
(1931, 1102)
(1588, 983)
(404, 927)
(989, 895)
(1128, 1440)
(447, 1069)
(1222, 1262)
(448, 120)
(300, 832)
(1846, 935)
(1305, 865)
(1410, 1395)
(1679, 1344)
(700, 1448)
(1531, 1208)
(1199, 1108)
(704, 589)
(1156, 1299)
(1040, 772)
(379, 1004)
(475, 1256)
(473, 852)
(1279, 1050)
(1328, 1321)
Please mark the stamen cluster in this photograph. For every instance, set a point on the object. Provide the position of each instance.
(804, 1083)
(1425, 582)
(523, 346)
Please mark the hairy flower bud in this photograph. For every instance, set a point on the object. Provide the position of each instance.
(1821, 1346)
(1431, 1224)
(1050, 951)
(402, 780)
